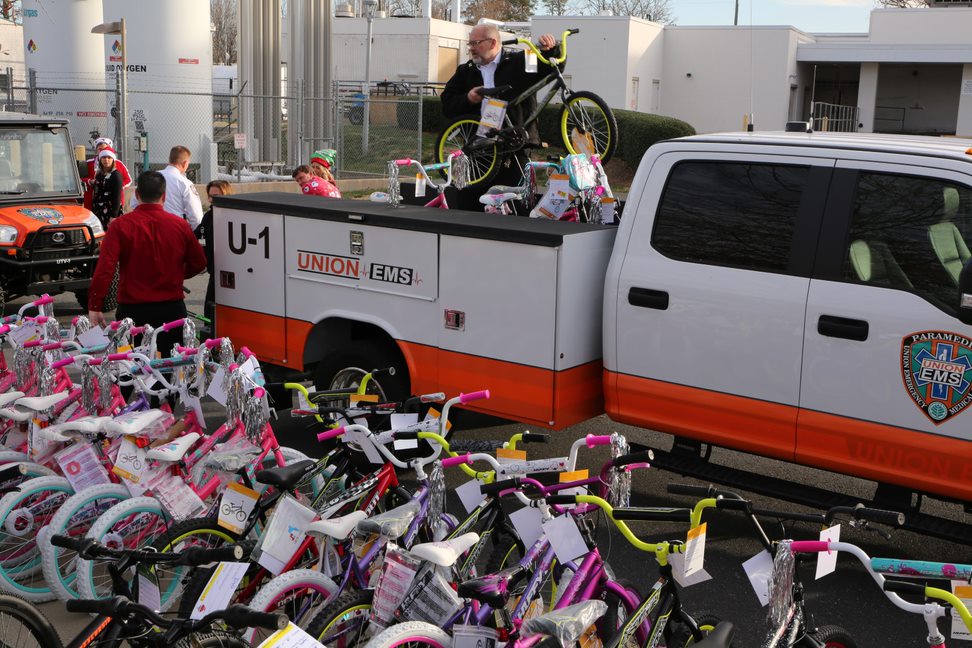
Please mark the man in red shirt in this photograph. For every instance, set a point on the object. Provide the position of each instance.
(155, 252)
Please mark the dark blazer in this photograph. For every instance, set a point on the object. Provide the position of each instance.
(511, 70)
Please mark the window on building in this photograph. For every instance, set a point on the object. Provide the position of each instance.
(730, 214)
(910, 233)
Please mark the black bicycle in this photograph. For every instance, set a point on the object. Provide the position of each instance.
(587, 124)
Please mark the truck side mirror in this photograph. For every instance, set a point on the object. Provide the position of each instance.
(965, 293)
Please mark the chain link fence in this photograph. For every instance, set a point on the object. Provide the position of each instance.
(280, 131)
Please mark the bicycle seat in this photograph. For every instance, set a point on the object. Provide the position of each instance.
(40, 403)
(505, 189)
(14, 414)
(497, 199)
(338, 528)
(721, 637)
(391, 524)
(70, 429)
(493, 589)
(283, 478)
(133, 423)
(173, 450)
(446, 552)
(10, 397)
(494, 92)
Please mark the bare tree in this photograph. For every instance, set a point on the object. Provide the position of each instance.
(904, 4)
(224, 15)
(506, 10)
(557, 7)
(11, 10)
(659, 11)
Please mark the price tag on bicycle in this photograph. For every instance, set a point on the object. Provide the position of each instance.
(419, 185)
(235, 506)
(148, 588)
(93, 337)
(80, 464)
(493, 112)
(530, 62)
(290, 637)
(284, 533)
(130, 463)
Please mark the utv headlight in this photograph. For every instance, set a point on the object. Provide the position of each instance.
(8, 234)
(95, 224)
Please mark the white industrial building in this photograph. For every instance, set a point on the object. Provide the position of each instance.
(911, 73)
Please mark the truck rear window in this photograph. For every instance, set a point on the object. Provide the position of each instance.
(730, 214)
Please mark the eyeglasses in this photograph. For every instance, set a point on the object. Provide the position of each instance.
(475, 43)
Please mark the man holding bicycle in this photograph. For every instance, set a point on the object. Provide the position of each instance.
(492, 66)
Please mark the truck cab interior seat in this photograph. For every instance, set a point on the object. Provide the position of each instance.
(945, 238)
(873, 263)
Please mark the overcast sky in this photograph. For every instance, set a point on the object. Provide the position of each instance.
(806, 15)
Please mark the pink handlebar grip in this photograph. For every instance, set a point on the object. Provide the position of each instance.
(30, 344)
(173, 324)
(403, 162)
(136, 330)
(114, 325)
(330, 434)
(259, 392)
(4, 328)
(46, 299)
(593, 440)
(114, 357)
(42, 319)
(62, 363)
(809, 546)
(246, 352)
(94, 362)
(449, 462)
(52, 346)
(210, 343)
(472, 396)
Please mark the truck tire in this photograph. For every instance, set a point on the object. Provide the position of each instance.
(111, 298)
(346, 367)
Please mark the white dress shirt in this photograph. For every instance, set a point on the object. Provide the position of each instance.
(489, 71)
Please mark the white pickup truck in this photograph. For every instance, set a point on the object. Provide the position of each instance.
(790, 295)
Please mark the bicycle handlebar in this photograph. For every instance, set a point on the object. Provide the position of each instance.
(552, 61)
(237, 616)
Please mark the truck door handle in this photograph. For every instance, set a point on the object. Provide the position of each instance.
(648, 298)
(842, 327)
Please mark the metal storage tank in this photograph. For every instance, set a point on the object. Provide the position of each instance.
(170, 70)
(69, 63)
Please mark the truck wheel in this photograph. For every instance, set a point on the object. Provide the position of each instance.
(345, 369)
(111, 299)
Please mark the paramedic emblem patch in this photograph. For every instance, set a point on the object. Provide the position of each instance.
(48, 215)
(937, 371)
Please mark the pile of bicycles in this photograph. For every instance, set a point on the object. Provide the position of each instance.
(174, 532)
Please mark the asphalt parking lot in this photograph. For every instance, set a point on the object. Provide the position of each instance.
(847, 598)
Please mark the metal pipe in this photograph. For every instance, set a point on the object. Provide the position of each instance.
(123, 100)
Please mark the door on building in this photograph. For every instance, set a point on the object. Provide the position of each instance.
(448, 62)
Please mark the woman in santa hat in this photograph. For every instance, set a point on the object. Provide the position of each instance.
(106, 200)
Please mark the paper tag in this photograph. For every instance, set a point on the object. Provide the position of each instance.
(81, 466)
(695, 549)
(397, 572)
(419, 185)
(473, 636)
(530, 62)
(507, 456)
(434, 415)
(759, 570)
(192, 402)
(363, 441)
(470, 495)
(177, 497)
(363, 398)
(677, 561)
(827, 560)
(250, 368)
(290, 637)
(148, 588)
(93, 337)
(284, 533)
(235, 506)
(25, 333)
(403, 421)
(40, 447)
(528, 522)
(303, 402)
(216, 391)
(491, 116)
(220, 588)
(565, 538)
(131, 462)
(608, 209)
(962, 590)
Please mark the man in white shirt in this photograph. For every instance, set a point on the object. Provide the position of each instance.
(181, 197)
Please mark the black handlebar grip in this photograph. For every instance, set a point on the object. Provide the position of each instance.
(881, 516)
(106, 607)
(510, 41)
(197, 556)
(654, 515)
(240, 616)
(387, 371)
(406, 434)
(689, 489)
(904, 587)
(67, 542)
(535, 437)
(497, 487)
(732, 504)
(573, 31)
(561, 499)
(643, 456)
